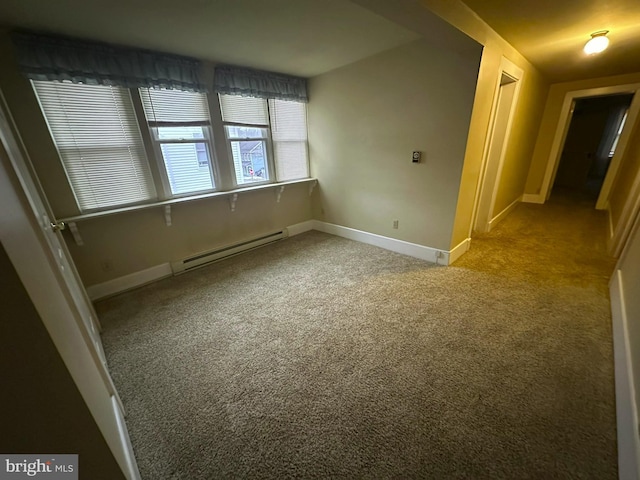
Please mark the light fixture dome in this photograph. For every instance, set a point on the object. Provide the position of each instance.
(598, 43)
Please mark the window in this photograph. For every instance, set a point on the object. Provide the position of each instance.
(246, 121)
(252, 125)
(95, 131)
(289, 131)
(180, 128)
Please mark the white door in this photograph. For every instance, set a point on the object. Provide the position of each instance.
(504, 103)
(77, 336)
(497, 146)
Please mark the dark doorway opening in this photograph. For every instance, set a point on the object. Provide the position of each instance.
(590, 144)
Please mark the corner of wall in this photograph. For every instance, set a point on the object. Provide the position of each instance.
(526, 121)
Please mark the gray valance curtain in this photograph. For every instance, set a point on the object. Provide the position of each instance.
(256, 83)
(48, 57)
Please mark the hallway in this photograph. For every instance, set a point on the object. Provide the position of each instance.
(562, 242)
(550, 267)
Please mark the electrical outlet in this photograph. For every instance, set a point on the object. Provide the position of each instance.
(395, 224)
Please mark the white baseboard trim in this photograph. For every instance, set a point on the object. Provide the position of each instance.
(626, 413)
(137, 279)
(133, 280)
(459, 250)
(533, 198)
(498, 218)
(434, 255)
(301, 227)
(429, 254)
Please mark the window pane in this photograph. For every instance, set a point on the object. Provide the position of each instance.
(187, 167)
(250, 161)
(96, 132)
(245, 132)
(180, 133)
(203, 157)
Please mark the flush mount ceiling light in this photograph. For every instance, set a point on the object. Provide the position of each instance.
(598, 42)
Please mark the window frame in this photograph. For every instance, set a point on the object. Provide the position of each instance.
(270, 161)
(269, 164)
(165, 192)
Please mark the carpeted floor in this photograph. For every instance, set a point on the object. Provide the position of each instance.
(319, 357)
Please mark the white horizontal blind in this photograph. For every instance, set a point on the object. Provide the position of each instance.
(244, 110)
(95, 130)
(175, 106)
(289, 135)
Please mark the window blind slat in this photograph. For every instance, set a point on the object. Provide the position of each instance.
(95, 130)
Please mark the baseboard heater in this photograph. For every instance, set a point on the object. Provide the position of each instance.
(206, 258)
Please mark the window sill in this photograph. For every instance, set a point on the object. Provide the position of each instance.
(204, 196)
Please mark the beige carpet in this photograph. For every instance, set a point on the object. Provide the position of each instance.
(319, 357)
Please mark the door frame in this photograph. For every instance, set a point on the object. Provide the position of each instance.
(514, 72)
(562, 129)
(629, 215)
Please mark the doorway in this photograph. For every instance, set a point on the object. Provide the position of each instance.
(562, 129)
(504, 103)
(590, 144)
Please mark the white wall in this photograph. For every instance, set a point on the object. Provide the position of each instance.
(365, 120)
(526, 120)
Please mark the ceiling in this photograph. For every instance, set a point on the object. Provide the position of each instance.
(551, 34)
(300, 37)
(310, 37)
